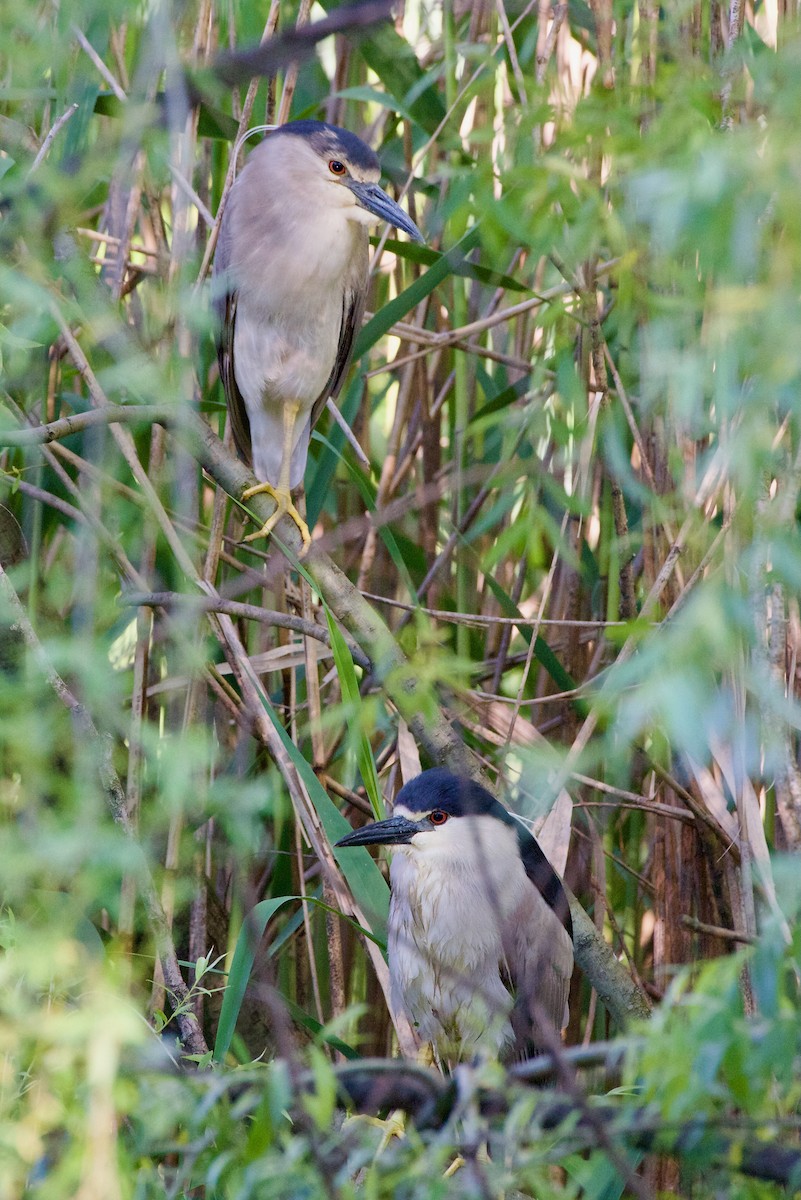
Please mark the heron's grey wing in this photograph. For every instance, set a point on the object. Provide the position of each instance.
(353, 300)
(225, 301)
(539, 961)
(538, 942)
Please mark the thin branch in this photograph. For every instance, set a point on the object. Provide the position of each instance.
(110, 414)
(191, 195)
(718, 931)
(247, 612)
(55, 502)
(511, 50)
(51, 136)
(333, 409)
(558, 14)
(480, 620)
(89, 49)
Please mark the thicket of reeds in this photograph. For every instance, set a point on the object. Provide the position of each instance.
(567, 558)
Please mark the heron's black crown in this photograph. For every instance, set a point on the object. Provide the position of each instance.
(459, 797)
(331, 140)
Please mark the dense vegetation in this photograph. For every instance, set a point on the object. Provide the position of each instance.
(573, 564)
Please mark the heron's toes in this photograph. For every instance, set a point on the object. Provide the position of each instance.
(267, 489)
(283, 504)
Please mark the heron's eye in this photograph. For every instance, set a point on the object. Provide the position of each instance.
(438, 817)
(336, 167)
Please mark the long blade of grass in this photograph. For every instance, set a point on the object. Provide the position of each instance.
(247, 945)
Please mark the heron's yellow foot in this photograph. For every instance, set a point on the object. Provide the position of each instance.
(283, 504)
(393, 1126)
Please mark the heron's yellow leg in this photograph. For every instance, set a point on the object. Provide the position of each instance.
(482, 1156)
(281, 493)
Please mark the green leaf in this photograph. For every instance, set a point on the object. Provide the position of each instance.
(414, 252)
(503, 399)
(352, 696)
(371, 95)
(212, 121)
(321, 479)
(369, 492)
(241, 966)
(247, 945)
(597, 1177)
(321, 1032)
(445, 265)
(395, 63)
(320, 475)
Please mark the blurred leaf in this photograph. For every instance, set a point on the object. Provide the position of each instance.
(352, 697)
(395, 63)
(212, 122)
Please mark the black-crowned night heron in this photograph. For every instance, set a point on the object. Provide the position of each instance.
(480, 936)
(290, 283)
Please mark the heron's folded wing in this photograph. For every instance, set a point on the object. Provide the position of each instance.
(224, 301)
(539, 961)
(353, 300)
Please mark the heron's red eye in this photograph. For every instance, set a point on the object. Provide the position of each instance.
(438, 817)
(336, 167)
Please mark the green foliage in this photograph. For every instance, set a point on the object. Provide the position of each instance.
(594, 365)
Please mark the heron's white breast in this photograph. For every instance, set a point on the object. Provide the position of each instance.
(461, 880)
(290, 265)
(453, 888)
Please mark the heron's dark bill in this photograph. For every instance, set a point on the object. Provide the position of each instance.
(376, 201)
(395, 831)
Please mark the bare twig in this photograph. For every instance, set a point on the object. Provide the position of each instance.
(89, 49)
(110, 414)
(558, 14)
(51, 135)
(248, 612)
(726, 935)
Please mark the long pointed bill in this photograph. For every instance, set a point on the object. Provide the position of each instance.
(395, 831)
(377, 202)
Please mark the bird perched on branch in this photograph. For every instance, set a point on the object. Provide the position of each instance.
(290, 280)
(480, 936)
